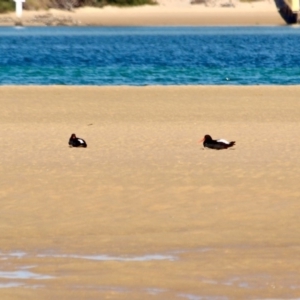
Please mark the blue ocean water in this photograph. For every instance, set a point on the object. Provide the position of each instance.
(150, 55)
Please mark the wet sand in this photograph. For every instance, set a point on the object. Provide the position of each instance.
(144, 212)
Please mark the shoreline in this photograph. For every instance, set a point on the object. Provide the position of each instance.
(182, 14)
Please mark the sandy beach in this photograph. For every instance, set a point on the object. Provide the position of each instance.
(144, 212)
(166, 13)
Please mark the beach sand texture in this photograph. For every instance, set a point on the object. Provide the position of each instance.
(174, 220)
(166, 13)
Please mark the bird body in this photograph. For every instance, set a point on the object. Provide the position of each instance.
(219, 144)
(74, 141)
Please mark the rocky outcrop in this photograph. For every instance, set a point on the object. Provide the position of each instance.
(6, 20)
(40, 20)
(50, 20)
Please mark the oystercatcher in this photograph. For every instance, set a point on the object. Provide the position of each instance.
(76, 142)
(216, 144)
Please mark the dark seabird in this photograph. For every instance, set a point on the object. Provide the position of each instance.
(216, 144)
(76, 142)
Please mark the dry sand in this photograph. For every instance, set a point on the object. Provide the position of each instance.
(221, 223)
(168, 12)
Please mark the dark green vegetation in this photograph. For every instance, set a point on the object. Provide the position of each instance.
(9, 5)
(6, 5)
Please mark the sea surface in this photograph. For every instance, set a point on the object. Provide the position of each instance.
(150, 55)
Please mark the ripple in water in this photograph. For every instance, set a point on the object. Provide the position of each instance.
(150, 56)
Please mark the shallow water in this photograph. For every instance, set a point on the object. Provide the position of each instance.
(149, 55)
(100, 257)
(112, 258)
(195, 297)
(22, 274)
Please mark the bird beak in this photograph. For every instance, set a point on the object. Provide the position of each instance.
(200, 141)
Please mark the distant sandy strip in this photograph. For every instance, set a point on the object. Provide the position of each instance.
(144, 212)
(167, 13)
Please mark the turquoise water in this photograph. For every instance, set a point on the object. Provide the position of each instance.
(150, 55)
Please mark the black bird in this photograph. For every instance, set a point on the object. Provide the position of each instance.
(216, 144)
(76, 142)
